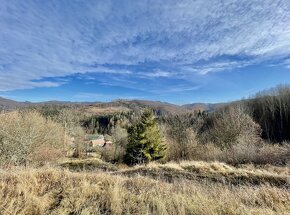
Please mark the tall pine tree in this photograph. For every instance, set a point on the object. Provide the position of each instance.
(144, 141)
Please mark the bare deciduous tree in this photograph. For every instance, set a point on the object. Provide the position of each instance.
(23, 133)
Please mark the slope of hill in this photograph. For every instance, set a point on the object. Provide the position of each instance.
(186, 188)
(159, 107)
(115, 106)
(11, 104)
(203, 106)
(8, 104)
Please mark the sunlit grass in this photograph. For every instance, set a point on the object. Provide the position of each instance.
(59, 191)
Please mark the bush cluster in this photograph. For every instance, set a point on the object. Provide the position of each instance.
(27, 136)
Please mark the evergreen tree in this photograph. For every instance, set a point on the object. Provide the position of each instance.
(144, 141)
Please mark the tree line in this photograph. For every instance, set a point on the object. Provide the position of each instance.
(239, 132)
(271, 110)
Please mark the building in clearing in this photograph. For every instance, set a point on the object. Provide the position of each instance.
(99, 141)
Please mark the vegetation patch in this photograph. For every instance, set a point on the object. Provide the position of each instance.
(55, 191)
(212, 171)
(89, 164)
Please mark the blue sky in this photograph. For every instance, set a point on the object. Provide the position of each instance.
(175, 51)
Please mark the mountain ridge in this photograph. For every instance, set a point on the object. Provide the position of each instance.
(9, 104)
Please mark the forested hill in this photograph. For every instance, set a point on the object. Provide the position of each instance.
(118, 105)
(270, 109)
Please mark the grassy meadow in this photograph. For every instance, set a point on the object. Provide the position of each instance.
(194, 187)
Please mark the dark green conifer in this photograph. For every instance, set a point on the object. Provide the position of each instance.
(144, 140)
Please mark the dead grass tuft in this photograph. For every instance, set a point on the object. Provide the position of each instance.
(88, 164)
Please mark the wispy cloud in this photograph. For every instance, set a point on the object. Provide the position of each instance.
(89, 95)
(287, 63)
(41, 39)
(156, 74)
(176, 89)
(84, 96)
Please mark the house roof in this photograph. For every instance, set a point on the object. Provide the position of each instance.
(99, 142)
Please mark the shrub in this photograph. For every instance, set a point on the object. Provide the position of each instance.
(44, 154)
(182, 144)
(181, 136)
(120, 141)
(258, 154)
(22, 134)
(231, 126)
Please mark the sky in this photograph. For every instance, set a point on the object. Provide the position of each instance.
(181, 52)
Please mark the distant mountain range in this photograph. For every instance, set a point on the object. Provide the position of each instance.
(11, 104)
(160, 107)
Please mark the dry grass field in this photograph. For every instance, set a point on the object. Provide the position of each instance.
(184, 188)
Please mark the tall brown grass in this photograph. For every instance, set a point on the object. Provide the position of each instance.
(56, 191)
(213, 172)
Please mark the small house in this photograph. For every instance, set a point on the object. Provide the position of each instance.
(100, 141)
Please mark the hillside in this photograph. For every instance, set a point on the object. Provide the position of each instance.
(202, 106)
(11, 104)
(114, 106)
(159, 107)
(158, 189)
